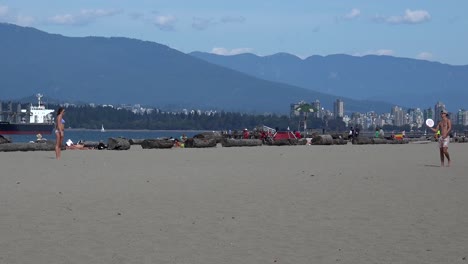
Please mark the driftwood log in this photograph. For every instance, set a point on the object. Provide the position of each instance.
(362, 141)
(339, 141)
(210, 135)
(134, 141)
(322, 140)
(398, 141)
(4, 140)
(200, 143)
(379, 141)
(229, 142)
(89, 144)
(157, 144)
(46, 146)
(302, 141)
(338, 135)
(118, 144)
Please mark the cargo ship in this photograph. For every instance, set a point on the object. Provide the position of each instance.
(34, 120)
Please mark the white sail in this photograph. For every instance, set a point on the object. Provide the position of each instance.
(102, 128)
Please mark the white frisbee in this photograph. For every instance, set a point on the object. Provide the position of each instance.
(430, 122)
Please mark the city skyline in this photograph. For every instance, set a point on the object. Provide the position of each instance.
(397, 116)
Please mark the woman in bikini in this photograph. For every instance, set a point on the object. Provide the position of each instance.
(59, 127)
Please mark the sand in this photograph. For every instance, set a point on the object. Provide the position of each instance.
(289, 204)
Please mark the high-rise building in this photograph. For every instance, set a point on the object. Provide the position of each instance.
(415, 117)
(428, 113)
(398, 116)
(462, 117)
(439, 106)
(316, 106)
(338, 108)
(465, 119)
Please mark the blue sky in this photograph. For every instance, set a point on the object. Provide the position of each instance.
(434, 30)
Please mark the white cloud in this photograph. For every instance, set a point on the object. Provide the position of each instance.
(9, 16)
(99, 12)
(228, 52)
(385, 52)
(425, 55)
(354, 13)
(4, 10)
(165, 22)
(136, 15)
(25, 20)
(410, 17)
(66, 19)
(84, 17)
(202, 23)
(380, 52)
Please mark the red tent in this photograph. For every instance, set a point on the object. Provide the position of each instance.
(284, 135)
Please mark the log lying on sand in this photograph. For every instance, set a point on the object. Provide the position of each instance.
(339, 141)
(210, 135)
(200, 143)
(118, 144)
(4, 140)
(229, 142)
(134, 141)
(322, 140)
(338, 136)
(46, 146)
(302, 141)
(157, 143)
(379, 141)
(398, 141)
(89, 144)
(362, 141)
(460, 139)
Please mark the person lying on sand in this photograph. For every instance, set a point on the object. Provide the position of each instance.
(77, 146)
(70, 145)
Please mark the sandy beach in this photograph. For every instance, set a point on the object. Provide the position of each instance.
(288, 204)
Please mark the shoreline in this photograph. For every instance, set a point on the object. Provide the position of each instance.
(132, 130)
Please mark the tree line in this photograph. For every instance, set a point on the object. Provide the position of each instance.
(111, 118)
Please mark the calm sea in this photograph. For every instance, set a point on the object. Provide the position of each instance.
(96, 135)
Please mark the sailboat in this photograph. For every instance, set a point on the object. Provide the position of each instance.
(102, 128)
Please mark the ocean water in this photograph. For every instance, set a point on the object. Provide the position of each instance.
(96, 135)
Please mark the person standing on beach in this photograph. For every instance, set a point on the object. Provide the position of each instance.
(445, 125)
(59, 127)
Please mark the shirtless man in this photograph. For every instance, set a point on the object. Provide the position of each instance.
(445, 125)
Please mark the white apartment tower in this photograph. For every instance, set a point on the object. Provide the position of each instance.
(338, 108)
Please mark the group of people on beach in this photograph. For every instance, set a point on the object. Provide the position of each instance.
(179, 142)
(443, 129)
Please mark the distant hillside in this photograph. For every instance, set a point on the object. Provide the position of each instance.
(122, 70)
(406, 82)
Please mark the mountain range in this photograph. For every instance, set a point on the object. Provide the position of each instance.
(402, 81)
(122, 70)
